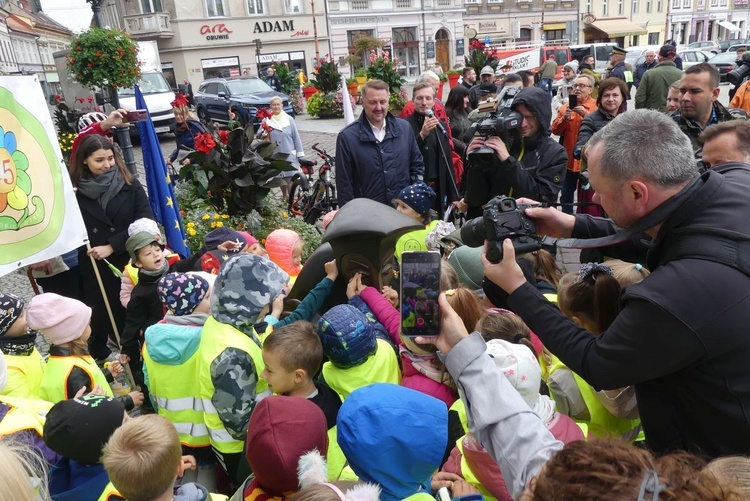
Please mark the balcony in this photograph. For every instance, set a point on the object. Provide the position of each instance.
(148, 26)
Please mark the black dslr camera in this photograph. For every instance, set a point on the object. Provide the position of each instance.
(737, 75)
(503, 122)
(502, 219)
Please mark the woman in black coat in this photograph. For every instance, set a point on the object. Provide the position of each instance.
(110, 199)
(435, 148)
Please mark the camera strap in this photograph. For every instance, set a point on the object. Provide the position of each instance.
(653, 218)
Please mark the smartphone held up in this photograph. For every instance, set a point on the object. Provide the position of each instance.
(136, 116)
(420, 288)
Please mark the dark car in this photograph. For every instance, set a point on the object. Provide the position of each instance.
(243, 95)
(725, 62)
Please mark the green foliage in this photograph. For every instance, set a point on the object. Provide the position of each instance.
(236, 174)
(327, 77)
(385, 71)
(288, 78)
(397, 101)
(361, 72)
(454, 72)
(100, 57)
(478, 58)
(66, 119)
(330, 105)
(366, 44)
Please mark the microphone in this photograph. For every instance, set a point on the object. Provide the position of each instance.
(430, 114)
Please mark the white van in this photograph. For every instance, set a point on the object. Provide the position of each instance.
(155, 88)
(600, 51)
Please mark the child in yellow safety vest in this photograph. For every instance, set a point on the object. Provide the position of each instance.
(65, 322)
(77, 429)
(24, 363)
(144, 461)
(416, 201)
(591, 299)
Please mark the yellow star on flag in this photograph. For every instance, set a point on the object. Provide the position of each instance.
(176, 225)
(169, 180)
(169, 202)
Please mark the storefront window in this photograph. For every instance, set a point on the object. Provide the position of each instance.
(406, 51)
(354, 35)
(294, 6)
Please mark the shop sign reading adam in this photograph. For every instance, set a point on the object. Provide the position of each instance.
(221, 32)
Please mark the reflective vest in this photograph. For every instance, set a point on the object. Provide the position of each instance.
(469, 475)
(176, 391)
(215, 338)
(602, 423)
(421, 496)
(110, 494)
(381, 367)
(459, 407)
(24, 414)
(25, 373)
(55, 381)
(335, 456)
(132, 272)
(414, 240)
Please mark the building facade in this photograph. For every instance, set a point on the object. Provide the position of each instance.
(507, 22)
(625, 22)
(199, 39)
(700, 20)
(418, 34)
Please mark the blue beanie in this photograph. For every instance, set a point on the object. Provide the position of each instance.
(347, 336)
(418, 196)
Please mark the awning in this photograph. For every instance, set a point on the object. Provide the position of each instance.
(729, 26)
(618, 27)
(554, 26)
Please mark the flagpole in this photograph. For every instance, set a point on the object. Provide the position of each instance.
(111, 316)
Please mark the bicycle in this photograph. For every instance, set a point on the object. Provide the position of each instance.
(309, 199)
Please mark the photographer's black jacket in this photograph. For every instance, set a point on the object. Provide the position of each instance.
(538, 174)
(681, 336)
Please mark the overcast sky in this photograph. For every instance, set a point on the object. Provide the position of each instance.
(75, 14)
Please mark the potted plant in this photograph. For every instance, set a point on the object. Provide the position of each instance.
(361, 76)
(352, 86)
(443, 79)
(354, 62)
(453, 76)
(308, 89)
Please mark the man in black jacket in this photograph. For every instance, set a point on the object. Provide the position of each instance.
(680, 336)
(533, 166)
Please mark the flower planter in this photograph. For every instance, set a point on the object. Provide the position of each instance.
(308, 91)
(361, 80)
(453, 80)
(440, 91)
(353, 89)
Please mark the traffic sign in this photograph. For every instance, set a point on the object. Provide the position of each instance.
(486, 40)
(544, 37)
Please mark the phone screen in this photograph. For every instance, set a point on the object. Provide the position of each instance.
(572, 101)
(136, 116)
(420, 288)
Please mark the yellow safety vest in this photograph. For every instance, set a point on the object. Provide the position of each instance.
(215, 338)
(25, 373)
(381, 367)
(176, 391)
(24, 414)
(335, 457)
(459, 407)
(469, 475)
(110, 494)
(414, 240)
(602, 423)
(420, 496)
(54, 386)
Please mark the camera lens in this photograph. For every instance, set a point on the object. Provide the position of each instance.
(472, 232)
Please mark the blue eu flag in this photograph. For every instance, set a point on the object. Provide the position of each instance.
(160, 191)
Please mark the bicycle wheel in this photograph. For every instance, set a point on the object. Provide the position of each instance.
(299, 200)
(314, 211)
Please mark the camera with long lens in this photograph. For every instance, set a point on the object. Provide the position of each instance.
(737, 75)
(502, 122)
(502, 218)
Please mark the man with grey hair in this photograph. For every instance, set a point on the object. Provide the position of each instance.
(680, 336)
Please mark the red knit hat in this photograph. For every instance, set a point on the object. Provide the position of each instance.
(280, 431)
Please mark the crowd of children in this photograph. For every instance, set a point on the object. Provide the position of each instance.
(239, 398)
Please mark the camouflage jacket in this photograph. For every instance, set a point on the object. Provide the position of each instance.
(692, 130)
(234, 377)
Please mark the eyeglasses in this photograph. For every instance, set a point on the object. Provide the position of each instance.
(529, 118)
(581, 86)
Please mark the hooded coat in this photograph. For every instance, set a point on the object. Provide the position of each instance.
(394, 437)
(536, 166)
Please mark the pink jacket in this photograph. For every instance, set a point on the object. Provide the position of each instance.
(486, 470)
(411, 377)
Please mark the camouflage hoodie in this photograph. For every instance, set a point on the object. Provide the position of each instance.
(692, 130)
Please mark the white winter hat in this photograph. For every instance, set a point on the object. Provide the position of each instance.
(520, 367)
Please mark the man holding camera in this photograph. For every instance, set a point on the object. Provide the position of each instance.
(680, 336)
(532, 166)
(699, 105)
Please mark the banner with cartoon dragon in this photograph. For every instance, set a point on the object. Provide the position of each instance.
(39, 215)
